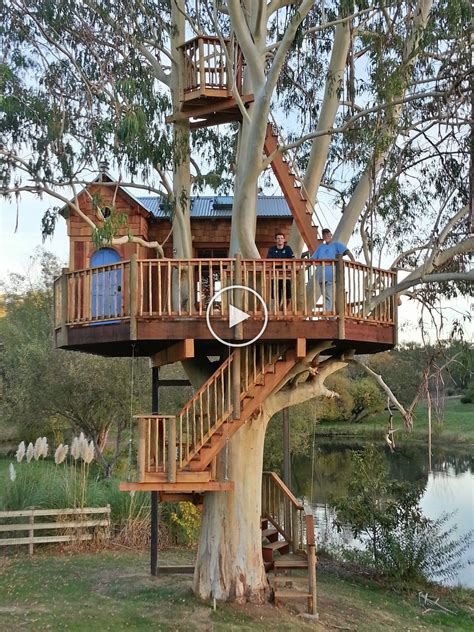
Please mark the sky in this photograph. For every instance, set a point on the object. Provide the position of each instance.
(16, 248)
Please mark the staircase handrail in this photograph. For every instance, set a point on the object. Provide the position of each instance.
(288, 516)
(291, 497)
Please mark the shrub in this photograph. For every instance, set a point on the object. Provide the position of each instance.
(386, 517)
(468, 395)
(428, 549)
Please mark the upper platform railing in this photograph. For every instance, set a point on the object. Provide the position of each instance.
(176, 289)
(211, 66)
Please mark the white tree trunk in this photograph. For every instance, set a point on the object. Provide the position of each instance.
(229, 564)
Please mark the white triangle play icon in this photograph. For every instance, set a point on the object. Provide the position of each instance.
(236, 316)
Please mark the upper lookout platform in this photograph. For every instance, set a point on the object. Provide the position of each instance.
(213, 76)
(143, 307)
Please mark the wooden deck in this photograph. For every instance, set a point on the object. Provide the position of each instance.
(149, 305)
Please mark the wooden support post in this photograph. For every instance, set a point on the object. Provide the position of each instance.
(154, 534)
(286, 448)
(239, 328)
(155, 406)
(31, 532)
(141, 456)
(300, 348)
(172, 450)
(395, 299)
(236, 377)
(295, 545)
(340, 298)
(311, 551)
(133, 289)
(313, 604)
(63, 284)
(202, 68)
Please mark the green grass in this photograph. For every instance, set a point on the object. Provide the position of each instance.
(113, 591)
(457, 427)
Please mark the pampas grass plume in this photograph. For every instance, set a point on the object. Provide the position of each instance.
(11, 472)
(29, 452)
(61, 453)
(88, 452)
(75, 448)
(21, 451)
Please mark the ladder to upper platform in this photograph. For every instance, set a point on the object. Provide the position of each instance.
(290, 185)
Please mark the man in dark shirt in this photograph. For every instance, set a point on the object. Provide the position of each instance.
(281, 250)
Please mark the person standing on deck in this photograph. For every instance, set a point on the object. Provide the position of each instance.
(328, 250)
(281, 250)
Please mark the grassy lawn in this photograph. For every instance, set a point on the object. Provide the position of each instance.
(457, 427)
(114, 591)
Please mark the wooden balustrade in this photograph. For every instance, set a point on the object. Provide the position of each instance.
(206, 67)
(98, 294)
(284, 510)
(157, 445)
(293, 289)
(204, 413)
(177, 287)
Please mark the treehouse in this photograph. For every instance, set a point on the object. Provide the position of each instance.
(254, 318)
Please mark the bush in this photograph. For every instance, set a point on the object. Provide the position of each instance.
(468, 395)
(386, 517)
(428, 549)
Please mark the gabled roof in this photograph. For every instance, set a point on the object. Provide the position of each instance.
(214, 207)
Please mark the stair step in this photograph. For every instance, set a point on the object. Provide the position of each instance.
(269, 532)
(284, 565)
(276, 546)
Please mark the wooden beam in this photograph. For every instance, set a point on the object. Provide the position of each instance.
(183, 488)
(182, 350)
(300, 348)
(175, 570)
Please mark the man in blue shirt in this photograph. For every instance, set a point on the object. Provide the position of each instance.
(327, 251)
(281, 250)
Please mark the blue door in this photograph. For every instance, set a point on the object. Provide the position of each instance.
(106, 285)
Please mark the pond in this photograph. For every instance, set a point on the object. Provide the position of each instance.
(448, 487)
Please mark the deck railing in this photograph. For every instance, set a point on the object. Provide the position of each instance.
(170, 289)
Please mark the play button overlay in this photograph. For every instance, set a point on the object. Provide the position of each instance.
(236, 315)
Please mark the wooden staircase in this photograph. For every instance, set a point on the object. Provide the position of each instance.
(288, 544)
(179, 452)
(292, 190)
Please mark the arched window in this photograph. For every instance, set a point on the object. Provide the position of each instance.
(106, 285)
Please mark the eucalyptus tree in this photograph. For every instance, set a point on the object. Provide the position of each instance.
(373, 99)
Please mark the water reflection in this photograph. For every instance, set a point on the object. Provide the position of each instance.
(447, 488)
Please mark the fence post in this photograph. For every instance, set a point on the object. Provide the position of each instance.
(133, 289)
(172, 450)
(31, 532)
(340, 298)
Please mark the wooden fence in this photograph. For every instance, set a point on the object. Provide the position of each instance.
(73, 525)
